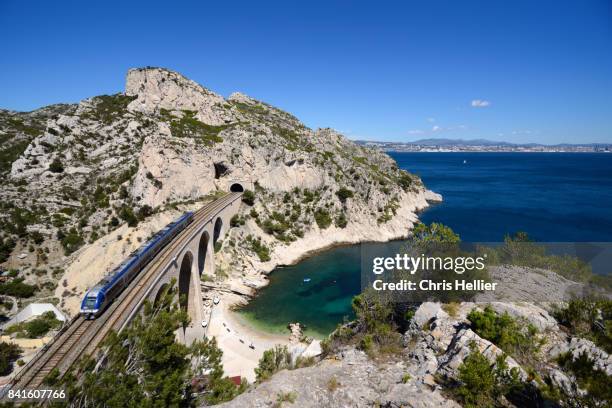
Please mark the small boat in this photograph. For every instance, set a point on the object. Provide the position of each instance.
(465, 162)
(306, 280)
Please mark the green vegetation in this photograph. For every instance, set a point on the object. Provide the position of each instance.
(17, 288)
(405, 180)
(9, 352)
(323, 218)
(6, 247)
(341, 220)
(145, 366)
(590, 319)
(439, 241)
(56, 166)
(237, 221)
(434, 234)
(9, 152)
(516, 337)
(260, 248)
(71, 241)
(375, 329)
(156, 182)
(248, 197)
(518, 249)
(108, 108)
(344, 194)
(482, 384)
(127, 214)
(37, 327)
(189, 126)
(272, 361)
(280, 227)
(19, 219)
(388, 211)
(289, 397)
(596, 382)
(255, 108)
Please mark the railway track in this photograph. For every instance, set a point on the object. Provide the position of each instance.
(83, 337)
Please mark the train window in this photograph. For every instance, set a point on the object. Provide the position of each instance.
(90, 303)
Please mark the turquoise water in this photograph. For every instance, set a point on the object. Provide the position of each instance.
(555, 197)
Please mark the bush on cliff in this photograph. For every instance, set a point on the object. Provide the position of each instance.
(272, 361)
(517, 338)
(588, 318)
(248, 197)
(9, 352)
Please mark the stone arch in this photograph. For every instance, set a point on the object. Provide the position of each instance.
(185, 283)
(203, 251)
(217, 229)
(236, 188)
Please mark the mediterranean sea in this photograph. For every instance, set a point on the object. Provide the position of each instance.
(554, 197)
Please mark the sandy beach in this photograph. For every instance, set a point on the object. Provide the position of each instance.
(235, 337)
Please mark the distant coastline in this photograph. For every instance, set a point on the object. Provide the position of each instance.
(483, 145)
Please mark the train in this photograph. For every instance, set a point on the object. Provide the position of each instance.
(98, 298)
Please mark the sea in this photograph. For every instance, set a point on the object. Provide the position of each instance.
(553, 197)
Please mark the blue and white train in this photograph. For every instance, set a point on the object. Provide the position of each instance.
(107, 290)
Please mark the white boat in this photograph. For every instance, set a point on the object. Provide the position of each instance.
(306, 280)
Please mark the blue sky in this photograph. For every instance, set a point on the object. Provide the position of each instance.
(522, 71)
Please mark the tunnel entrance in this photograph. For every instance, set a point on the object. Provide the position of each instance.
(202, 252)
(236, 188)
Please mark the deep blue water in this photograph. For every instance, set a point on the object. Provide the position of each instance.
(554, 197)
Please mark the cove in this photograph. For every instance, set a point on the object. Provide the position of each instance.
(320, 303)
(554, 197)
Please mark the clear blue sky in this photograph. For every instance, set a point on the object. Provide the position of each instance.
(534, 70)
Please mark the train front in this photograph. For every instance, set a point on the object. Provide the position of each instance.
(92, 303)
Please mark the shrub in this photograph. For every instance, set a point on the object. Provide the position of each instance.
(17, 288)
(478, 381)
(589, 318)
(236, 221)
(405, 180)
(70, 241)
(341, 220)
(248, 197)
(333, 384)
(37, 327)
(517, 339)
(6, 247)
(596, 382)
(127, 215)
(189, 126)
(344, 194)
(289, 397)
(56, 166)
(144, 212)
(272, 361)
(482, 384)
(8, 354)
(262, 251)
(322, 218)
(37, 237)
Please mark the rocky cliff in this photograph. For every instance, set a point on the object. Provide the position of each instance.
(81, 171)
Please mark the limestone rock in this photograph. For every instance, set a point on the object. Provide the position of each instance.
(159, 88)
